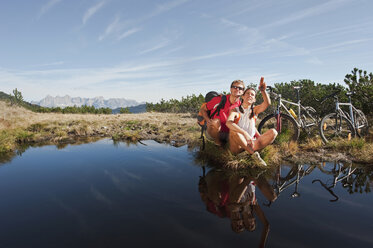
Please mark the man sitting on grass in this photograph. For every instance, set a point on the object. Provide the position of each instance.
(216, 125)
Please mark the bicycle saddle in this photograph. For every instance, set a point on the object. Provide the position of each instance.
(350, 93)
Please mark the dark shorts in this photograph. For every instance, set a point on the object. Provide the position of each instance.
(223, 137)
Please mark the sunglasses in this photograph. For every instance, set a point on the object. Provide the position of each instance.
(237, 87)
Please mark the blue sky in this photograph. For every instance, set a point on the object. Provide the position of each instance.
(148, 50)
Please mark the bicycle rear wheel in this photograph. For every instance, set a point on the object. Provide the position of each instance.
(286, 128)
(362, 127)
(310, 120)
(334, 127)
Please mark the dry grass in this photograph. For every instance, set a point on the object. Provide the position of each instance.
(358, 148)
(18, 125)
(312, 144)
(14, 117)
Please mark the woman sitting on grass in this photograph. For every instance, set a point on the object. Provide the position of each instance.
(243, 135)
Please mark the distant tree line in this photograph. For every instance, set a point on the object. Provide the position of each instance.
(84, 109)
(358, 81)
(189, 104)
(125, 110)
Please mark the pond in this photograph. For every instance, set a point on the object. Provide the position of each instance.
(106, 194)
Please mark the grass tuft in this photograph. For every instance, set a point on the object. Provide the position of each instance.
(216, 156)
(312, 144)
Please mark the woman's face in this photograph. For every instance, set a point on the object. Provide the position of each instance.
(249, 96)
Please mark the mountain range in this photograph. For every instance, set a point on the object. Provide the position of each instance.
(97, 102)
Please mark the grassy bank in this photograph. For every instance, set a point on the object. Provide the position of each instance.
(20, 127)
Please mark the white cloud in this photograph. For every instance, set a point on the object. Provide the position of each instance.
(49, 64)
(156, 47)
(250, 6)
(309, 12)
(238, 26)
(117, 26)
(345, 30)
(167, 6)
(314, 61)
(46, 7)
(128, 33)
(160, 9)
(92, 10)
(110, 28)
(113, 81)
(173, 50)
(341, 45)
(256, 42)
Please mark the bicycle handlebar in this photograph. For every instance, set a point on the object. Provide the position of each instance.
(329, 96)
(350, 93)
(270, 89)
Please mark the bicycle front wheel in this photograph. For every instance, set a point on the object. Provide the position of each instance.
(334, 127)
(286, 127)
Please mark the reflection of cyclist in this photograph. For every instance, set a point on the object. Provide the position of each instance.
(234, 198)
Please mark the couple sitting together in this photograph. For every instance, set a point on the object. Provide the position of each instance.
(235, 122)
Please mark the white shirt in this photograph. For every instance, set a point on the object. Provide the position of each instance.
(245, 122)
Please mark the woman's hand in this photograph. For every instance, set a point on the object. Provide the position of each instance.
(262, 84)
(248, 139)
(266, 100)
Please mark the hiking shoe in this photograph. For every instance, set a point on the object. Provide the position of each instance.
(258, 160)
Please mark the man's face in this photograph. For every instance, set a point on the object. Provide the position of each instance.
(237, 89)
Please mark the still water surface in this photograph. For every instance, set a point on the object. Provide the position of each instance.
(105, 195)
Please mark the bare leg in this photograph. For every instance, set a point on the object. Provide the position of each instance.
(237, 187)
(266, 189)
(237, 142)
(213, 130)
(265, 139)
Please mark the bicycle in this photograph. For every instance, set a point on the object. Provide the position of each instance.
(288, 124)
(296, 173)
(341, 173)
(341, 124)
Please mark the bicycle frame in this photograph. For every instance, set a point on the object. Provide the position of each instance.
(300, 123)
(352, 110)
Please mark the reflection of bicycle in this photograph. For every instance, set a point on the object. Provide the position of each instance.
(342, 124)
(340, 173)
(296, 173)
(288, 124)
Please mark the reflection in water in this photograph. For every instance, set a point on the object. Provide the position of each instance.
(233, 196)
(354, 179)
(341, 173)
(98, 195)
(295, 174)
(61, 144)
